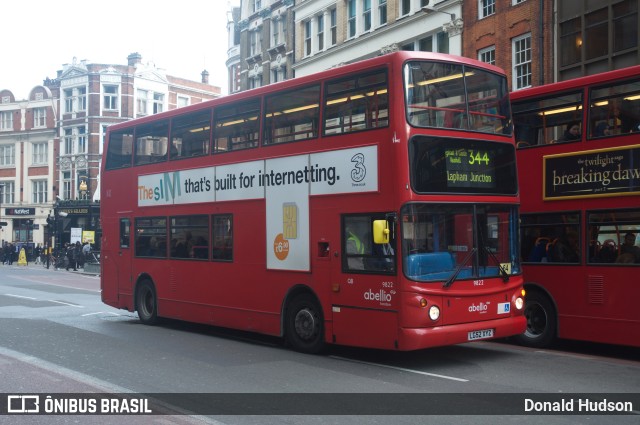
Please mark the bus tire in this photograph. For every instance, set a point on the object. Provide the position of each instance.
(304, 325)
(147, 303)
(542, 321)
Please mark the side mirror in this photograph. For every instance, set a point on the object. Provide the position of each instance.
(380, 231)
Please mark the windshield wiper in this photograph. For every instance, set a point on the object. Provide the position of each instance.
(503, 272)
(459, 268)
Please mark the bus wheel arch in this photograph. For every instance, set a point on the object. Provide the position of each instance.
(542, 318)
(146, 300)
(303, 321)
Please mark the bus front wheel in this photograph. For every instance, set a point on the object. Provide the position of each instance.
(541, 321)
(304, 326)
(147, 303)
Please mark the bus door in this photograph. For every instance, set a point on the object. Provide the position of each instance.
(365, 293)
(116, 264)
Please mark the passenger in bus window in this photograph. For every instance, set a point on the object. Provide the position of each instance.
(629, 252)
(565, 249)
(602, 130)
(355, 250)
(571, 133)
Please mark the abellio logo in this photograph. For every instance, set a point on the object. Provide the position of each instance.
(480, 308)
(382, 296)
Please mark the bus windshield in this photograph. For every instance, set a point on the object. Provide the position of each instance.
(456, 96)
(464, 241)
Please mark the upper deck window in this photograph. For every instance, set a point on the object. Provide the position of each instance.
(292, 116)
(152, 142)
(545, 120)
(236, 126)
(356, 103)
(190, 135)
(455, 96)
(119, 149)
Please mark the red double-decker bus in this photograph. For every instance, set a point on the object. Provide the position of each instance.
(370, 205)
(579, 173)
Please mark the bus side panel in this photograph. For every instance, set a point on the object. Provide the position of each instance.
(365, 328)
(595, 303)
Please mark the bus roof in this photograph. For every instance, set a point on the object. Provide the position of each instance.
(576, 83)
(292, 84)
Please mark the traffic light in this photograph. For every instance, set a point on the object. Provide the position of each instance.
(50, 221)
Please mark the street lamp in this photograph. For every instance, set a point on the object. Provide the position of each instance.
(429, 9)
(2, 223)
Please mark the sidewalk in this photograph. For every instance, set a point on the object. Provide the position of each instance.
(90, 269)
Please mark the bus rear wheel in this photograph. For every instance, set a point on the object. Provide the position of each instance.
(147, 303)
(541, 321)
(304, 325)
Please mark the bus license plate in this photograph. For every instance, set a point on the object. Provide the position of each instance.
(485, 333)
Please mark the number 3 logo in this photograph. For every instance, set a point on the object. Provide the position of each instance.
(359, 170)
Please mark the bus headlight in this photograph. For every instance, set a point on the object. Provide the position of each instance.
(434, 313)
(519, 303)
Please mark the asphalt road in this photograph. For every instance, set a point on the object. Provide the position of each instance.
(57, 337)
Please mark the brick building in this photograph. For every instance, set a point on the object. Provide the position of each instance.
(51, 143)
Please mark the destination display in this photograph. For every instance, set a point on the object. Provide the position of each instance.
(595, 173)
(443, 165)
(469, 168)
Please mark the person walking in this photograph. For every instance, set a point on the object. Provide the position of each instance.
(72, 257)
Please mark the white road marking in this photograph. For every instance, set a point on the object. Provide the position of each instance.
(20, 296)
(402, 369)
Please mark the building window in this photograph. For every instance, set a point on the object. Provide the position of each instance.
(39, 117)
(6, 120)
(68, 142)
(141, 102)
(307, 38)
(625, 26)
(275, 32)
(7, 192)
(487, 55)
(405, 7)
(255, 42)
(334, 27)
(256, 5)
(182, 101)
(351, 19)
(382, 12)
(320, 33)
(279, 74)
(486, 8)
(68, 100)
(438, 43)
(39, 155)
(366, 14)
(521, 61)
(7, 155)
(82, 140)
(82, 98)
(39, 189)
(596, 34)
(255, 82)
(425, 44)
(110, 97)
(66, 185)
(158, 103)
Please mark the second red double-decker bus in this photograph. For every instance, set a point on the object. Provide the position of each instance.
(579, 158)
(373, 205)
